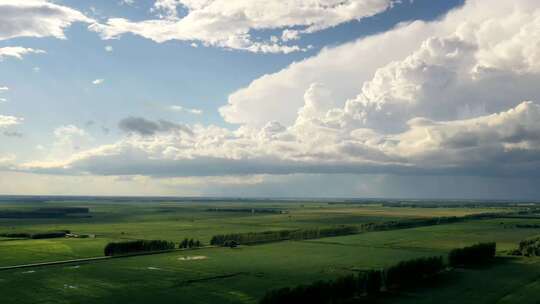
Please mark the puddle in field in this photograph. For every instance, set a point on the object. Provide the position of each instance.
(152, 268)
(192, 258)
(75, 267)
(67, 286)
(29, 271)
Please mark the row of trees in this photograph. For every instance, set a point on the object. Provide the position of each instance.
(191, 243)
(472, 255)
(280, 235)
(411, 273)
(336, 291)
(528, 226)
(369, 283)
(49, 235)
(529, 247)
(38, 235)
(120, 248)
(248, 210)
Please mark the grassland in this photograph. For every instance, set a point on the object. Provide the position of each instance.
(242, 275)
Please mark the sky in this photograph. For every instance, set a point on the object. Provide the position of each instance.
(289, 98)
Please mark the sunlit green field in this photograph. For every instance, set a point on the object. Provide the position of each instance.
(244, 274)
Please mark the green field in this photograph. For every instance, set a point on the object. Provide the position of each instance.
(244, 274)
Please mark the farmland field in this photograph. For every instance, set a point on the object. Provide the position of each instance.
(243, 274)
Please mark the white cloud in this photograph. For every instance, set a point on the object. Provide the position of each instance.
(68, 140)
(7, 121)
(7, 158)
(98, 81)
(440, 98)
(127, 2)
(231, 23)
(503, 143)
(437, 69)
(341, 69)
(36, 18)
(4, 88)
(109, 48)
(17, 52)
(178, 108)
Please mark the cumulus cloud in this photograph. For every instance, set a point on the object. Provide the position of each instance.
(67, 141)
(36, 18)
(440, 98)
(231, 24)
(98, 81)
(508, 139)
(341, 69)
(109, 48)
(17, 52)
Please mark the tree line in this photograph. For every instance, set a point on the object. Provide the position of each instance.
(119, 248)
(405, 274)
(313, 233)
(409, 273)
(528, 247)
(248, 210)
(473, 255)
(528, 226)
(38, 235)
(280, 235)
(189, 243)
(366, 284)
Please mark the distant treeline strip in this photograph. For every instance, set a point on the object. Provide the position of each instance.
(281, 235)
(248, 210)
(53, 212)
(314, 233)
(528, 226)
(459, 205)
(122, 248)
(366, 285)
(39, 235)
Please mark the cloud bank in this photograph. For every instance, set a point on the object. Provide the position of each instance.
(456, 96)
(231, 23)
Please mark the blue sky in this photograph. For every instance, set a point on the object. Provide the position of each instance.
(235, 82)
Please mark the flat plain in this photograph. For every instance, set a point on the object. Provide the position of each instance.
(245, 273)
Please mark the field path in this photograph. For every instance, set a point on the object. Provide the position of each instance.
(100, 258)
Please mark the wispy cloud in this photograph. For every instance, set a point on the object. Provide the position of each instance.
(231, 25)
(18, 52)
(178, 108)
(98, 81)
